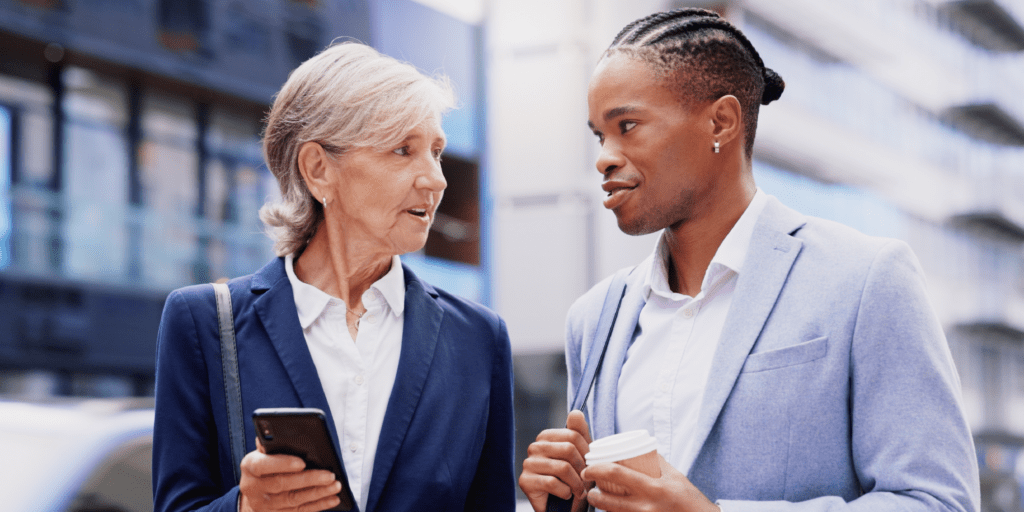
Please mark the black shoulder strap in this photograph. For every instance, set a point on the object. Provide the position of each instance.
(599, 345)
(232, 386)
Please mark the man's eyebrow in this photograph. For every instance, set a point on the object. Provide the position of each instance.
(620, 111)
(615, 112)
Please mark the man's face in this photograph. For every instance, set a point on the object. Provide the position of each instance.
(656, 153)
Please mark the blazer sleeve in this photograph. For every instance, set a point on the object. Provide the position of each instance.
(494, 485)
(186, 468)
(911, 445)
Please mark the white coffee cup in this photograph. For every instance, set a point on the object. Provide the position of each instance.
(635, 449)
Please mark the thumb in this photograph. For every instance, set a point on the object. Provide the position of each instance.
(578, 422)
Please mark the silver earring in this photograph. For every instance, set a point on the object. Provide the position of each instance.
(325, 199)
(716, 149)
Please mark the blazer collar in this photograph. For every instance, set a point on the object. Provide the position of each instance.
(773, 250)
(421, 331)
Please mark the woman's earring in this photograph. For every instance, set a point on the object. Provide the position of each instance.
(716, 151)
(325, 199)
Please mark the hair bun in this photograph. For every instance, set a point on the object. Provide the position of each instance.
(773, 86)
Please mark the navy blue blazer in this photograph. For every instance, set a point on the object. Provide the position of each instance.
(447, 438)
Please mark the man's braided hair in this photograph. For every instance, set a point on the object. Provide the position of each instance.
(704, 57)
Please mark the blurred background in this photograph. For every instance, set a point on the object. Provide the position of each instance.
(130, 165)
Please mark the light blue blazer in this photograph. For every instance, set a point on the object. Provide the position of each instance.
(832, 387)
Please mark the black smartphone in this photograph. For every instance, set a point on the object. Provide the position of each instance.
(302, 432)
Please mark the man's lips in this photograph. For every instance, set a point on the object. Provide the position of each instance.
(617, 192)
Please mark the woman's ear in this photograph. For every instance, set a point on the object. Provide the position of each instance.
(313, 167)
(726, 119)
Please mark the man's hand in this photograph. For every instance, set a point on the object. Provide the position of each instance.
(282, 482)
(673, 491)
(554, 463)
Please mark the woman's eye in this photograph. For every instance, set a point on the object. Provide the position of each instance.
(402, 151)
(627, 126)
(437, 154)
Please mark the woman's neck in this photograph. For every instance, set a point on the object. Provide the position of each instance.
(340, 268)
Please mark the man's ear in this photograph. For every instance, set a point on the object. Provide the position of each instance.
(313, 167)
(726, 119)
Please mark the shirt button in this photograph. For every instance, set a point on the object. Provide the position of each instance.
(353, 447)
(687, 313)
(370, 318)
(359, 380)
(664, 387)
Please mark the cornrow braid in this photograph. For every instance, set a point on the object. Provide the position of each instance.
(645, 24)
(707, 58)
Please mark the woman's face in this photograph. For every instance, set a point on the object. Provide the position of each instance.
(388, 198)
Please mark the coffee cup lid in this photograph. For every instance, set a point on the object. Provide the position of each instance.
(621, 447)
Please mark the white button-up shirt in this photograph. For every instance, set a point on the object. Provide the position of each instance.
(357, 375)
(667, 366)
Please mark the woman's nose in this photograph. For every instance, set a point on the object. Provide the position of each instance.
(432, 177)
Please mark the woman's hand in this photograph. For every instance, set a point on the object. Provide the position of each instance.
(282, 483)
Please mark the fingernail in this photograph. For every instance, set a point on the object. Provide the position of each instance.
(336, 486)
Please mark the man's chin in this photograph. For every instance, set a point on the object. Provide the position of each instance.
(635, 227)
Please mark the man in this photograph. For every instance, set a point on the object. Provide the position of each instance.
(782, 362)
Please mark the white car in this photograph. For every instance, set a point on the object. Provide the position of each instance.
(76, 455)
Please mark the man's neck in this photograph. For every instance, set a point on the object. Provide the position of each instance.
(692, 244)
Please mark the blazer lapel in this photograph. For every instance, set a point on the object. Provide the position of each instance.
(276, 311)
(769, 259)
(422, 327)
(605, 392)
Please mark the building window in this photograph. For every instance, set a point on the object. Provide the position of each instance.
(6, 160)
(94, 175)
(456, 229)
(236, 186)
(31, 159)
(168, 175)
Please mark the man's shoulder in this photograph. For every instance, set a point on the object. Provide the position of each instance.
(590, 303)
(832, 243)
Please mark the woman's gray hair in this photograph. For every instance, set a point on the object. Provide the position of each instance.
(347, 96)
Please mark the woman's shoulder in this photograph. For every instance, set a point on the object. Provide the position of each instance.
(456, 308)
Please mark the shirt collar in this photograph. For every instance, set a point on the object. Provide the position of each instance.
(729, 256)
(311, 301)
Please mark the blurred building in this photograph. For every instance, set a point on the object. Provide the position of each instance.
(901, 118)
(130, 164)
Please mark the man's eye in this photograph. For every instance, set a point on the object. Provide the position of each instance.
(626, 126)
(402, 151)
(437, 154)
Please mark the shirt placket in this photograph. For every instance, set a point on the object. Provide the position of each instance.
(355, 409)
(682, 329)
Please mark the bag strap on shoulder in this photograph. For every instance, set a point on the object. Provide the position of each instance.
(232, 384)
(603, 333)
(598, 347)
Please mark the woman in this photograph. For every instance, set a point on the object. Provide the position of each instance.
(415, 383)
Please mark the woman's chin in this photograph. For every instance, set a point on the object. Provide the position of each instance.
(409, 243)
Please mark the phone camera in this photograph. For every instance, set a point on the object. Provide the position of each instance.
(266, 433)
